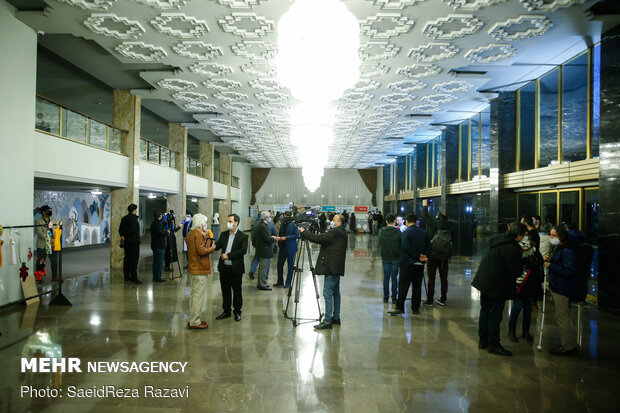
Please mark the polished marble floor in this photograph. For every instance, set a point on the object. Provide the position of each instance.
(371, 363)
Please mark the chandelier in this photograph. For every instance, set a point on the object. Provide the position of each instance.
(317, 64)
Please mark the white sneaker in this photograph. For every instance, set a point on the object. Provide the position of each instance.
(440, 302)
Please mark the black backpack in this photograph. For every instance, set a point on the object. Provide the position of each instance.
(585, 252)
(441, 245)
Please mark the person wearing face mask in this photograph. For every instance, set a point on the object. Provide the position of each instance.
(331, 263)
(158, 245)
(264, 249)
(562, 282)
(234, 245)
(534, 237)
(45, 239)
(200, 246)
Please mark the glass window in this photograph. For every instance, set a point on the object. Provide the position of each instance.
(485, 141)
(216, 159)
(73, 125)
(143, 150)
(464, 151)
(192, 167)
(436, 161)
(48, 117)
(475, 146)
(591, 215)
(527, 127)
(569, 207)
(549, 207)
(153, 152)
(528, 205)
(165, 157)
(421, 166)
(549, 121)
(575, 109)
(411, 176)
(596, 98)
(401, 164)
(116, 141)
(97, 134)
(386, 180)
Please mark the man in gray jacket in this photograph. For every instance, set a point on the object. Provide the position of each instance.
(390, 238)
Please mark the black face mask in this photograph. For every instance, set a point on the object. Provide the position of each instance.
(49, 212)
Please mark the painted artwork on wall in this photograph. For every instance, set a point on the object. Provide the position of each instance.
(86, 217)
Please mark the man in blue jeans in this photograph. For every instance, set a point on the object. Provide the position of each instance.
(390, 238)
(289, 232)
(273, 231)
(330, 263)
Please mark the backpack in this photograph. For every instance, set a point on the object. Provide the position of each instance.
(585, 252)
(441, 245)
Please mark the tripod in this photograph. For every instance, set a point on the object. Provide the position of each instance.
(303, 252)
(172, 246)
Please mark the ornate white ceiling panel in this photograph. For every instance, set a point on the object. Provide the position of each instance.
(216, 59)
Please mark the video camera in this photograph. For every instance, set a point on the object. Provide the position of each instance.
(307, 220)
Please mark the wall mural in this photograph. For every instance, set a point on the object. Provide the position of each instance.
(86, 217)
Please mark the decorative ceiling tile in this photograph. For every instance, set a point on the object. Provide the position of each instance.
(382, 115)
(90, 5)
(198, 50)
(255, 49)
(244, 115)
(372, 51)
(453, 26)
(373, 70)
(246, 25)
(222, 84)
(275, 106)
(200, 106)
(365, 85)
(111, 25)
(141, 51)
(520, 27)
(164, 4)
(353, 108)
(490, 53)
(428, 108)
(397, 97)
(548, 5)
(231, 96)
(411, 123)
(259, 69)
(240, 4)
(180, 25)
(452, 86)
(177, 84)
(272, 96)
(438, 99)
(267, 84)
(238, 106)
(433, 52)
(385, 25)
(407, 86)
(390, 107)
(471, 5)
(395, 4)
(419, 71)
(189, 96)
(210, 69)
(357, 97)
(379, 123)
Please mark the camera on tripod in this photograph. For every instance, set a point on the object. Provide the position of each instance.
(307, 220)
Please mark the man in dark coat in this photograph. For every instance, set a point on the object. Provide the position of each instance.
(415, 248)
(287, 238)
(233, 244)
(129, 230)
(331, 263)
(496, 279)
(158, 244)
(264, 250)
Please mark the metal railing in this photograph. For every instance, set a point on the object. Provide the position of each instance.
(220, 176)
(157, 154)
(59, 120)
(197, 168)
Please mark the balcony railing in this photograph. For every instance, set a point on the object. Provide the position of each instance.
(59, 120)
(234, 182)
(157, 154)
(220, 176)
(197, 168)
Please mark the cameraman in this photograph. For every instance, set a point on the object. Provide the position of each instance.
(287, 237)
(330, 263)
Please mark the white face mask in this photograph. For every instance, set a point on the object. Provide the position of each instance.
(526, 238)
(230, 226)
(554, 241)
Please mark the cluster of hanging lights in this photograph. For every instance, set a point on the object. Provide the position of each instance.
(318, 42)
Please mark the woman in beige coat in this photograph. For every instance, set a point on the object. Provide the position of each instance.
(200, 245)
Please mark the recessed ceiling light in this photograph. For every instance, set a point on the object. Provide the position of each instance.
(96, 192)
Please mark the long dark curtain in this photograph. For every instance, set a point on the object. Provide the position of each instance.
(259, 176)
(369, 176)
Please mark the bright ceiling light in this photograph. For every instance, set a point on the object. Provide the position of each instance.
(96, 192)
(318, 62)
(151, 196)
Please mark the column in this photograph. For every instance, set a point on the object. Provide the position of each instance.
(177, 141)
(226, 166)
(443, 178)
(609, 184)
(205, 205)
(127, 113)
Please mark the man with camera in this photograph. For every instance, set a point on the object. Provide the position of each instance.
(289, 232)
(129, 230)
(331, 263)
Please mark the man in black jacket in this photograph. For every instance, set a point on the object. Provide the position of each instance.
(414, 251)
(264, 250)
(158, 245)
(496, 281)
(331, 262)
(129, 230)
(234, 245)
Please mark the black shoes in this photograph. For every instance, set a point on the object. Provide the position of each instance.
(136, 281)
(336, 321)
(265, 288)
(483, 346)
(278, 285)
(429, 302)
(440, 302)
(526, 335)
(385, 299)
(561, 351)
(159, 281)
(223, 316)
(501, 351)
(396, 311)
(415, 311)
(251, 275)
(323, 326)
(512, 336)
(237, 316)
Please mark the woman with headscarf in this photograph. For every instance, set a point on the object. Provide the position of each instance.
(200, 245)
